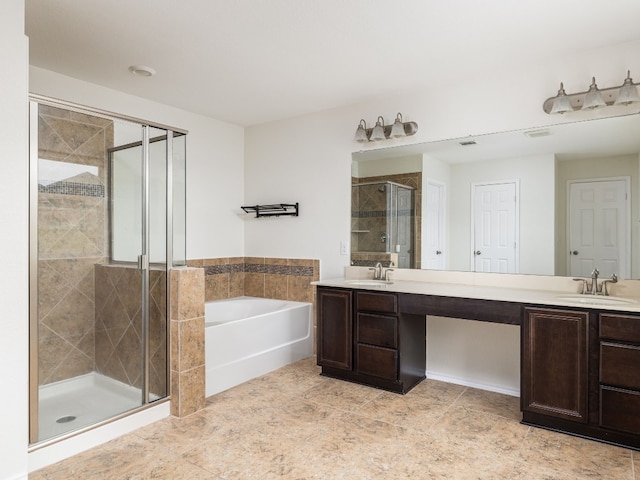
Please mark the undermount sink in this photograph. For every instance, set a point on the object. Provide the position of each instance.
(596, 299)
(369, 283)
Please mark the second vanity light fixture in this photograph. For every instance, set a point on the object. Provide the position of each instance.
(382, 132)
(625, 94)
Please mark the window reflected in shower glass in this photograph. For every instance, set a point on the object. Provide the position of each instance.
(54, 174)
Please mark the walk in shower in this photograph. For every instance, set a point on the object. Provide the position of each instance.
(107, 219)
(383, 224)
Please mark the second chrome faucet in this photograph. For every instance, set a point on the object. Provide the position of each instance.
(591, 286)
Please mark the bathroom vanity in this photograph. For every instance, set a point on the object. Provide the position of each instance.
(580, 362)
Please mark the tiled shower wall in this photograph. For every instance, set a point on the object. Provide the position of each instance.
(361, 244)
(118, 326)
(72, 218)
(281, 278)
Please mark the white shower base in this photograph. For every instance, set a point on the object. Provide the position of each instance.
(90, 398)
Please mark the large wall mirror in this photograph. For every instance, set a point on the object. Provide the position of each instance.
(559, 200)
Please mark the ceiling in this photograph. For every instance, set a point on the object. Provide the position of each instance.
(252, 61)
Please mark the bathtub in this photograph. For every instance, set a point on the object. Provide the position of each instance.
(246, 337)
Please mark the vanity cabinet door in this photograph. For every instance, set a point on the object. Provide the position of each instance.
(335, 328)
(555, 363)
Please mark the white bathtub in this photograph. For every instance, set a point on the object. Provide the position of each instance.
(246, 337)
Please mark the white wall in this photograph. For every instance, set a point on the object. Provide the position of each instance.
(387, 166)
(308, 159)
(536, 177)
(475, 354)
(14, 242)
(215, 152)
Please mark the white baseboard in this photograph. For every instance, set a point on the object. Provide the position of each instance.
(47, 455)
(469, 383)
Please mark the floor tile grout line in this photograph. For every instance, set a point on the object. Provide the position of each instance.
(516, 463)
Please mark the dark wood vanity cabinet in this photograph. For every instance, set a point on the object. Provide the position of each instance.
(619, 379)
(555, 363)
(581, 373)
(335, 328)
(375, 346)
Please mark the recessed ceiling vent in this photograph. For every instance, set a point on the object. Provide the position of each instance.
(468, 142)
(537, 133)
(142, 71)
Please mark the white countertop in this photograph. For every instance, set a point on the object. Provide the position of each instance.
(497, 293)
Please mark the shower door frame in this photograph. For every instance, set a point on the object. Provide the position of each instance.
(34, 102)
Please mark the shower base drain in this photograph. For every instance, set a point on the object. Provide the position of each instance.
(67, 419)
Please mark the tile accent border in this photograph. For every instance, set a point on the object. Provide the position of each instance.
(259, 268)
(73, 188)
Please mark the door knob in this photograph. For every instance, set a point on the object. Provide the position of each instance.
(438, 252)
(477, 252)
(574, 252)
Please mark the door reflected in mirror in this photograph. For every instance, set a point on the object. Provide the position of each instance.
(559, 200)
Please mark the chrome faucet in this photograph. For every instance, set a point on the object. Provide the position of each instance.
(594, 282)
(605, 290)
(386, 274)
(592, 288)
(377, 271)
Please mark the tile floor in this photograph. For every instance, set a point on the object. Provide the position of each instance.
(294, 424)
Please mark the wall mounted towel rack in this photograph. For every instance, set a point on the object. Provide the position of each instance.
(275, 210)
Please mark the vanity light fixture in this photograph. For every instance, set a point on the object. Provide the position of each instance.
(628, 92)
(378, 131)
(562, 103)
(381, 131)
(593, 99)
(625, 94)
(361, 132)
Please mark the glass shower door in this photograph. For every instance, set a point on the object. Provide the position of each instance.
(101, 242)
(86, 313)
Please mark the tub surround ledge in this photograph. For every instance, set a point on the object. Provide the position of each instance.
(187, 341)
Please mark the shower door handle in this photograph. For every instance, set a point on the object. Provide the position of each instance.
(143, 262)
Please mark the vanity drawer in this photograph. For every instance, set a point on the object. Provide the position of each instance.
(620, 409)
(377, 302)
(377, 330)
(377, 361)
(620, 327)
(620, 365)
